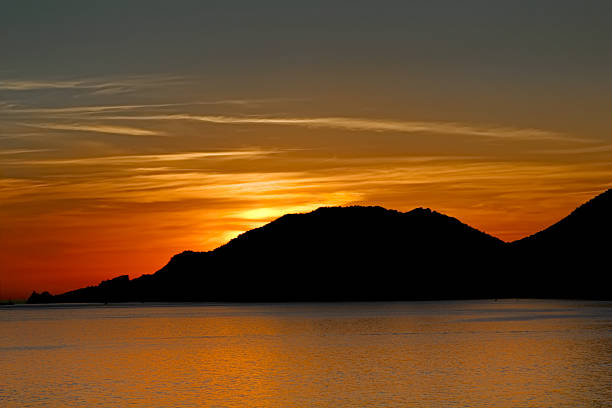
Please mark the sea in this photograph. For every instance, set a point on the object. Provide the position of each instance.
(486, 353)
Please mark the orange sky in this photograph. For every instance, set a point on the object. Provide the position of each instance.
(179, 128)
(108, 190)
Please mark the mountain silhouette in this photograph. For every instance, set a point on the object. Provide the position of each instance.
(587, 228)
(572, 257)
(371, 253)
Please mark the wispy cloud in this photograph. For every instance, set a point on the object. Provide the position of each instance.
(15, 109)
(20, 135)
(376, 125)
(98, 128)
(281, 186)
(29, 85)
(149, 158)
(21, 151)
(250, 102)
(11, 108)
(7, 105)
(16, 187)
(102, 85)
(580, 150)
(472, 190)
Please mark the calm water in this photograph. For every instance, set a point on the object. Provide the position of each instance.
(429, 354)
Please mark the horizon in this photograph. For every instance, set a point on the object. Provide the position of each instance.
(132, 132)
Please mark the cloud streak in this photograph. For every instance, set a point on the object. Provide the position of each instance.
(98, 85)
(149, 158)
(580, 150)
(21, 151)
(29, 85)
(97, 128)
(180, 184)
(14, 109)
(375, 125)
(82, 112)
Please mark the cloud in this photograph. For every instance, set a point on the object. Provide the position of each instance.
(11, 108)
(376, 125)
(107, 129)
(20, 135)
(306, 185)
(14, 109)
(580, 150)
(148, 158)
(239, 200)
(21, 151)
(7, 105)
(16, 187)
(29, 85)
(251, 102)
(101, 85)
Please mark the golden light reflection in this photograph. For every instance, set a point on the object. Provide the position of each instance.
(509, 353)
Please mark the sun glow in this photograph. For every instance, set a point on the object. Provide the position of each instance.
(95, 190)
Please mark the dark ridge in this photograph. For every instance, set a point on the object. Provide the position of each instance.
(371, 253)
(571, 257)
(590, 224)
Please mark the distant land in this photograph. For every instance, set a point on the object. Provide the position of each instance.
(372, 253)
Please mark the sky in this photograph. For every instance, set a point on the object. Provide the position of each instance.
(131, 131)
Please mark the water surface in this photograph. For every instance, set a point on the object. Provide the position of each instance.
(526, 353)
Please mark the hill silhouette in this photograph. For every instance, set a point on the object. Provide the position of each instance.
(371, 253)
(571, 257)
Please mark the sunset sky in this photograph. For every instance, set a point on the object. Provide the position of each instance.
(130, 131)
